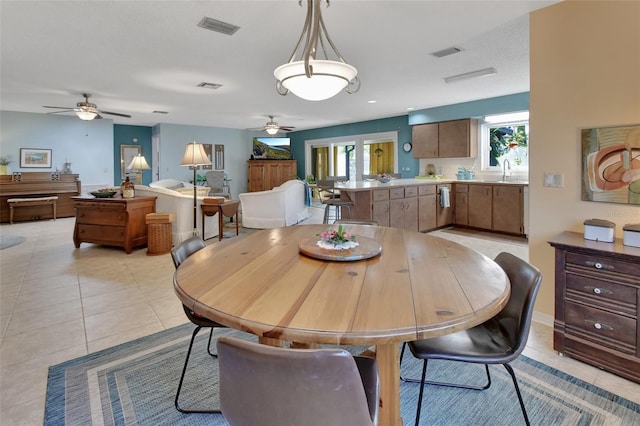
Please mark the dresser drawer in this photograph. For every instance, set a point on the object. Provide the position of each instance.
(381, 195)
(600, 291)
(461, 188)
(604, 328)
(101, 233)
(604, 264)
(101, 217)
(427, 190)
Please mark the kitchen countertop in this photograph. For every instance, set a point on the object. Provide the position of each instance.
(368, 184)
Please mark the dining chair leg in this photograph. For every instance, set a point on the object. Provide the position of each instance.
(209, 343)
(424, 373)
(184, 370)
(515, 384)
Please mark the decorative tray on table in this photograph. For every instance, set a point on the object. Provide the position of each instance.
(366, 248)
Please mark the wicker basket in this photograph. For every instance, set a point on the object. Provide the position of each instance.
(159, 233)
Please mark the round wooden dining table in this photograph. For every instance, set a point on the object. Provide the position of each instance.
(419, 286)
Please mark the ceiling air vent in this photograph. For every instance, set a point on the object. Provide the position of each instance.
(446, 52)
(160, 112)
(218, 26)
(211, 86)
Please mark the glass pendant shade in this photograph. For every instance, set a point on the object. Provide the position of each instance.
(86, 115)
(327, 80)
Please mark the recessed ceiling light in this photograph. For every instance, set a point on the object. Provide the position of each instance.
(473, 74)
(410, 109)
(371, 102)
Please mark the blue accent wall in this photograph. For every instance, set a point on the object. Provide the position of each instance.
(473, 109)
(391, 124)
(124, 135)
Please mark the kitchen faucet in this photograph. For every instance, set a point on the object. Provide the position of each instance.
(505, 162)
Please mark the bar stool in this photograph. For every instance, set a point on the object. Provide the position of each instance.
(338, 204)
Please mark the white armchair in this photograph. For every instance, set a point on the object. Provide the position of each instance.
(182, 205)
(284, 205)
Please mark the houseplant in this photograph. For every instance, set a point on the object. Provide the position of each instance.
(4, 162)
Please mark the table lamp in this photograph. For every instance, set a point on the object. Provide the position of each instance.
(139, 164)
(194, 157)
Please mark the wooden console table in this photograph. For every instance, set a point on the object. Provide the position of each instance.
(38, 185)
(119, 222)
(597, 306)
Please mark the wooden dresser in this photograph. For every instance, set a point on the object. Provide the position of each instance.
(116, 222)
(597, 303)
(39, 184)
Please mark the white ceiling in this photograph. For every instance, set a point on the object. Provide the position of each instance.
(136, 57)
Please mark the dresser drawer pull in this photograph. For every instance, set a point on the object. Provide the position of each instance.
(598, 265)
(597, 290)
(598, 325)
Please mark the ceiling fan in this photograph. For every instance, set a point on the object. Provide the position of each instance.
(85, 110)
(273, 128)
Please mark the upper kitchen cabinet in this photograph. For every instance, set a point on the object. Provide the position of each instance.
(446, 139)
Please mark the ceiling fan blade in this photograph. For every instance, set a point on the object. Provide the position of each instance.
(114, 113)
(58, 112)
(287, 128)
(47, 106)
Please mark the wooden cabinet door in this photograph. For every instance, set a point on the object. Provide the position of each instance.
(410, 214)
(426, 208)
(425, 140)
(444, 215)
(381, 212)
(480, 206)
(457, 138)
(507, 209)
(462, 208)
(257, 177)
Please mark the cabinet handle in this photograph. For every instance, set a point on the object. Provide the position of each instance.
(598, 265)
(120, 218)
(597, 290)
(598, 325)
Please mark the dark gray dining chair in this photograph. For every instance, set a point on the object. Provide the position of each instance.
(272, 386)
(179, 254)
(499, 340)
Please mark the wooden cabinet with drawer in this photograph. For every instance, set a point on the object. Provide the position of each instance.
(597, 303)
(396, 207)
(116, 222)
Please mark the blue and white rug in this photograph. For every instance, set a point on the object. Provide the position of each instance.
(135, 384)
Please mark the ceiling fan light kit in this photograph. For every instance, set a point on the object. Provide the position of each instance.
(310, 78)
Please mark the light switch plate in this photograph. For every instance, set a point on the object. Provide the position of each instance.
(554, 179)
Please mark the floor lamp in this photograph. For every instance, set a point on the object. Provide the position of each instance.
(194, 157)
(139, 164)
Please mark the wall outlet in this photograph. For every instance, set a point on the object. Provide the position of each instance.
(554, 179)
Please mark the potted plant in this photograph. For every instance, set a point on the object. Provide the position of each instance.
(4, 162)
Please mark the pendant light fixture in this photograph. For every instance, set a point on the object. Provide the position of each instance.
(311, 74)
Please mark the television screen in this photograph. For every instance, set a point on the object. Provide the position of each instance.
(271, 149)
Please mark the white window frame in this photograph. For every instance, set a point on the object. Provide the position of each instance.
(485, 148)
(358, 140)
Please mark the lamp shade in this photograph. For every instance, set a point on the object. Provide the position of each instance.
(195, 155)
(138, 163)
(86, 115)
(327, 80)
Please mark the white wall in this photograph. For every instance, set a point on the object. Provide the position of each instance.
(585, 72)
(88, 144)
(175, 137)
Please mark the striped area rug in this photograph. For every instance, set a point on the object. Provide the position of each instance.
(135, 383)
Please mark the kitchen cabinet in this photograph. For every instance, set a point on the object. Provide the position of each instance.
(263, 175)
(462, 204)
(119, 222)
(444, 215)
(396, 207)
(597, 294)
(507, 210)
(427, 208)
(480, 206)
(446, 139)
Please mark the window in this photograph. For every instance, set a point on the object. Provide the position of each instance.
(505, 138)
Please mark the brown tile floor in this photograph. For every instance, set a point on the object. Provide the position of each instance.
(58, 303)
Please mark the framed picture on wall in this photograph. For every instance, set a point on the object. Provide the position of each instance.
(35, 158)
(127, 152)
(207, 150)
(611, 164)
(219, 157)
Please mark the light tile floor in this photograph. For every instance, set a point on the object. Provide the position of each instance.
(58, 303)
